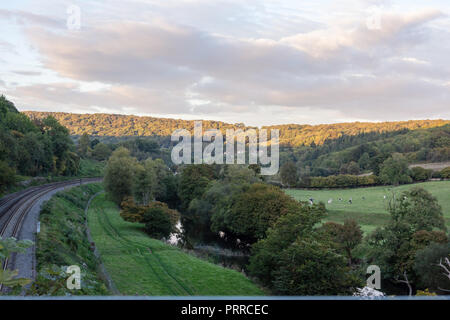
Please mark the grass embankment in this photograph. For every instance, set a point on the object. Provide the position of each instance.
(144, 266)
(371, 211)
(62, 242)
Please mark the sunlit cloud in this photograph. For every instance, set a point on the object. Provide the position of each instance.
(302, 65)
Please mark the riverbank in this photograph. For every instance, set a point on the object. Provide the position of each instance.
(139, 265)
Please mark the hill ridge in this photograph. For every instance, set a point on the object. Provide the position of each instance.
(118, 125)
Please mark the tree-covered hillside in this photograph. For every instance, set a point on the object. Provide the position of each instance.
(367, 152)
(290, 135)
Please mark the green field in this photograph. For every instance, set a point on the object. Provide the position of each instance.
(371, 211)
(139, 265)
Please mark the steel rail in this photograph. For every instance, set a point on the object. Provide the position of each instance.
(28, 199)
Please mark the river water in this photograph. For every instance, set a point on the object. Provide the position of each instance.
(234, 259)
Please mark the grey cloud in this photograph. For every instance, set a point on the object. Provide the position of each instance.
(380, 98)
(27, 73)
(140, 52)
(124, 99)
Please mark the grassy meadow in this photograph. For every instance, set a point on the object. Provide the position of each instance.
(369, 207)
(139, 265)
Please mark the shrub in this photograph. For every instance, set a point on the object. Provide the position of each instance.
(130, 211)
(342, 181)
(135, 213)
(421, 174)
(157, 222)
(445, 173)
(436, 175)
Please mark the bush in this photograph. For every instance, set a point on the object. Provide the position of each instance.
(436, 175)
(130, 211)
(157, 222)
(341, 181)
(445, 173)
(288, 174)
(421, 174)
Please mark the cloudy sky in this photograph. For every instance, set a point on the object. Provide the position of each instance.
(257, 61)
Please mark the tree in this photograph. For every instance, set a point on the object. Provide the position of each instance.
(145, 182)
(198, 221)
(299, 223)
(364, 161)
(353, 168)
(394, 170)
(7, 176)
(84, 145)
(34, 147)
(6, 106)
(394, 247)
(308, 267)
(253, 211)
(60, 140)
(419, 208)
(347, 235)
(161, 172)
(19, 122)
(295, 260)
(193, 182)
(94, 142)
(119, 175)
(288, 174)
(101, 152)
(170, 182)
(428, 265)
(256, 168)
(391, 249)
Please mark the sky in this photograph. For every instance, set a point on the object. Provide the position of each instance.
(260, 62)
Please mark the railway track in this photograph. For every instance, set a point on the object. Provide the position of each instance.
(15, 207)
